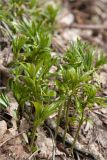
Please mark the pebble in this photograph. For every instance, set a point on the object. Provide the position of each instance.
(67, 20)
(70, 35)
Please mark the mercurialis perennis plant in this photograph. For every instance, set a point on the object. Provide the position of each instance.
(74, 88)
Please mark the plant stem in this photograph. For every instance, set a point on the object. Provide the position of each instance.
(58, 121)
(78, 130)
(66, 118)
(33, 136)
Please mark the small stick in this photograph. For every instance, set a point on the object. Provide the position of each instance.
(100, 114)
(2, 88)
(92, 26)
(32, 155)
(78, 146)
(53, 141)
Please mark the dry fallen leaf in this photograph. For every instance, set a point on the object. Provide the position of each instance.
(13, 105)
(103, 78)
(53, 69)
(45, 145)
(24, 126)
(102, 138)
(3, 128)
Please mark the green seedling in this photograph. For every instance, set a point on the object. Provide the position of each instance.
(76, 84)
(33, 44)
(29, 26)
(41, 114)
(30, 84)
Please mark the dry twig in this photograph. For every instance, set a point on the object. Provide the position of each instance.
(93, 27)
(93, 153)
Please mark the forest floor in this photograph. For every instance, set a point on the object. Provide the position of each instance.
(87, 20)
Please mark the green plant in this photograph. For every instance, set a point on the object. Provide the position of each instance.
(29, 26)
(41, 114)
(50, 14)
(76, 84)
(4, 102)
(30, 84)
(32, 43)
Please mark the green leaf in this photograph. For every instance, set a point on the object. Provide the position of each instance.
(101, 101)
(43, 112)
(4, 100)
(101, 60)
(87, 76)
